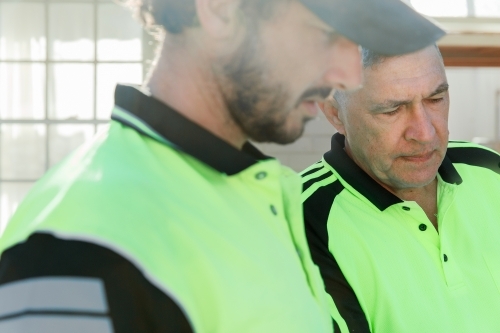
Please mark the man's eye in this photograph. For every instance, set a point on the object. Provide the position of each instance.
(437, 100)
(392, 112)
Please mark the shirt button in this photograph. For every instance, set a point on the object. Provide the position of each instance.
(261, 175)
(445, 257)
(406, 208)
(273, 210)
(422, 227)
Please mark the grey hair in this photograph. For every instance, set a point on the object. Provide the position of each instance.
(369, 59)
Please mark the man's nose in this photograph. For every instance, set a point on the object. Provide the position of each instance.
(420, 127)
(345, 68)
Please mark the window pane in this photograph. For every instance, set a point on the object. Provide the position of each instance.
(11, 195)
(22, 93)
(22, 151)
(70, 98)
(22, 31)
(63, 139)
(78, 1)
(108, 75)
(118, 41)
(441, 7)
(487, 8)
(71, 31)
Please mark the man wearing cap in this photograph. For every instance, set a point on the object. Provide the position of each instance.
(171, 221)
(403, 224)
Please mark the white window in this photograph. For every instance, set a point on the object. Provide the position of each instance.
(59, 63)
(458, 8)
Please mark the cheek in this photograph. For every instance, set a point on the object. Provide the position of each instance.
(369, 137)
(440, 124)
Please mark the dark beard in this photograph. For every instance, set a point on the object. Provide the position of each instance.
(257, 107)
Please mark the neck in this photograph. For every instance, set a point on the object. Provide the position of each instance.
(184, 80)
(425, 197)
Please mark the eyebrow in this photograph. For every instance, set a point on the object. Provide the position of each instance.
(391, 104)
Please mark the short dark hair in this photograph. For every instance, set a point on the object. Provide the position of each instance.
(174, 16)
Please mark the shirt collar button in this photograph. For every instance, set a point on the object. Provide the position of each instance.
(261, 175)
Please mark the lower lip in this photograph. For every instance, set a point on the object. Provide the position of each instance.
(419, 158)
(311, 108)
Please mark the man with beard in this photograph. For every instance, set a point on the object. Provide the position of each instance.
(403, 224)
(171, 221)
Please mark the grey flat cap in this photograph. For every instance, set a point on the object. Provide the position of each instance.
(387, 27)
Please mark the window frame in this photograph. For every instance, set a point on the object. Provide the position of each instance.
(148, 45)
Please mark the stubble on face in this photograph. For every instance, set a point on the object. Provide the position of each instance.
(261, 105)
(255, 106)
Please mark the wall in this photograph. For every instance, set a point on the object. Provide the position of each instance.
(473, 106)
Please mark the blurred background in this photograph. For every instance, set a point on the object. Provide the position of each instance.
(61, 59)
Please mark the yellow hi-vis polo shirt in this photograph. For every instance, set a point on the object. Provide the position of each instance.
(386, 267)
(190, 228)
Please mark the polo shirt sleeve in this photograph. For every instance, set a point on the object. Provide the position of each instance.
(316, 215)
(53, 285)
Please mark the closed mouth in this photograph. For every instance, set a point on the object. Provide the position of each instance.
(419, 157)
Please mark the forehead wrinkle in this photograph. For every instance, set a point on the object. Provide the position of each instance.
(413, 67)
(409, 88)
(412, 80)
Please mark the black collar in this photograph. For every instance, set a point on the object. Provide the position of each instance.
(364, 184)
(183, 133)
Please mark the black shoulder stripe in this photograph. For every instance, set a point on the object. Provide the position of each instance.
(336, 327)
(134, 304)
(475, 156)
(448, 172)
(317, 209)
(317, 168)
(458, 141)
(316, 213)
(310, 182)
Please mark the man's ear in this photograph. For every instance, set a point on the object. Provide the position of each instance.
(331, 109)
(219, 18)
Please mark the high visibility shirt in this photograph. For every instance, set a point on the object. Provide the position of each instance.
(162, 215)
(385, 266)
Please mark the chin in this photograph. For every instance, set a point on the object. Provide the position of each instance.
(278, 137)
(417, 183)
(279, 134)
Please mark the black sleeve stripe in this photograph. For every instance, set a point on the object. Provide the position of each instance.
(133, 303)
(475, 156)
(310, 182)
(316, 212)
(317, 168)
